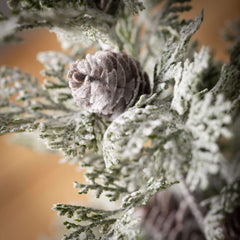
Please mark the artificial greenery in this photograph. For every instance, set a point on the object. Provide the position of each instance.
(184, 131)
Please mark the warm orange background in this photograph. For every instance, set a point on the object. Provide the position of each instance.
(30, 182)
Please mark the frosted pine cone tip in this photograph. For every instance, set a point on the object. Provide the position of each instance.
(107, 83)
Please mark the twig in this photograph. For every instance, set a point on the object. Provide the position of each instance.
(195, 208)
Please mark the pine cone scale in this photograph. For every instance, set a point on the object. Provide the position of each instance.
(128, 94)
(117, 97)
(121, 83)
(111, 80)
(113, 58)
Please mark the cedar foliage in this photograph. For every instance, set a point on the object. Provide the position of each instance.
(184, 131)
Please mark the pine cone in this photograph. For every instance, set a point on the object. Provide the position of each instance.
(232, 225)
(107, 83)
(167, 218)
(108, 6)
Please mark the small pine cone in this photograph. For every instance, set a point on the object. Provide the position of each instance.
(107, 83)
(232, 225)
(165, 217)
(108, 6)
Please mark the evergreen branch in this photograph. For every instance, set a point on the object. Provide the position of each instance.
(142, 196)
(231, 34)
(113, 193)
(86, 230)
(207, 121)
(172, 53)
(78, 20)
(73, 134)
(229, 85)
(82, 213)
(88, 219)
(71, 21)
(220, 206)
(69, 131)
(134, 5)
(17, 6)
(150, 135)
(169, 12)
(112, 222)
(187, 79)
(37, 101)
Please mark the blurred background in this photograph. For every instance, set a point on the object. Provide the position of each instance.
(31, 182)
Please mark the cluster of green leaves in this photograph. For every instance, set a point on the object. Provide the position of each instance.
(219, 206)
(163, 29)
(102, 220)
(48, 108)
(172, 135)
(68, 19)
(132, 184)
(17, 6)
(231, 34)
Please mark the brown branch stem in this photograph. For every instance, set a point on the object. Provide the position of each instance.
(193, 205)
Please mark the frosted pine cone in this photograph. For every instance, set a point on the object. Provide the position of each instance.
(165, 217)
(108, 6)
(107, 83)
